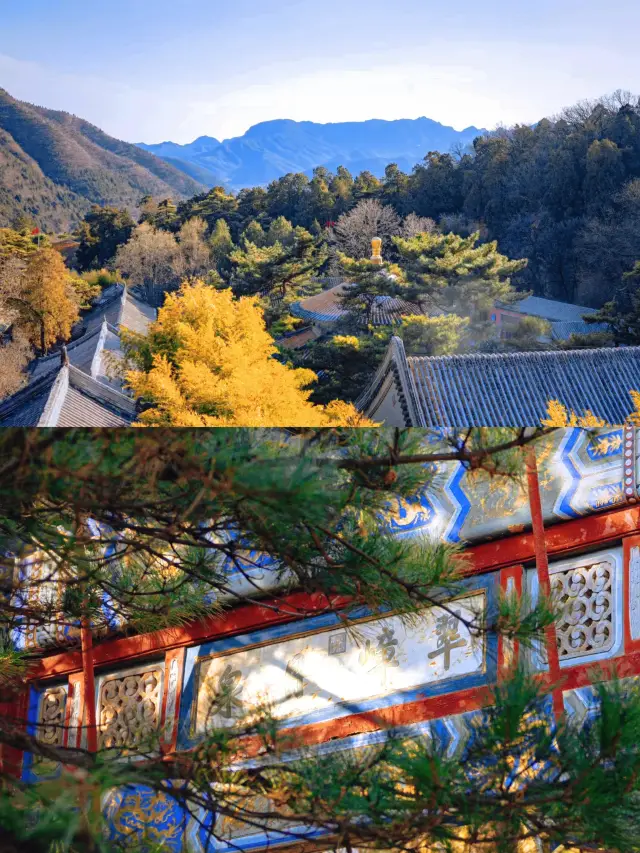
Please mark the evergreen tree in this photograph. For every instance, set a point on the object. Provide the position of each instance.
(277, 267)
(208, 361)
(280, 231)
(446, 272)
(622, 315)
(368, 284)
(345, 363)
(221, 247)
(16, 244)
(313, 505)
(341, 188)
(166, 216)
(216, 204)
(254, 233)
(101, 233)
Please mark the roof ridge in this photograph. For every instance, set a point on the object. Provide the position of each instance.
(511, 356)
(70, 345)
(87, 379)
(29, 390)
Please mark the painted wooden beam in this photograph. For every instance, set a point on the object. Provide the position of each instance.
(563, 538)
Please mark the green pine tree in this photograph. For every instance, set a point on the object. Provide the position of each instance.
(276, 268)
(448, 273)
(182, 501)
(221, 247)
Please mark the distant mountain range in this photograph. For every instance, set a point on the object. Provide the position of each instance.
(53, 166)
(273, 148)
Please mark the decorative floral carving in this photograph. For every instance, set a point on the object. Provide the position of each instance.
(51, 718)
(129, 708)
(74, 719)
(586, 596)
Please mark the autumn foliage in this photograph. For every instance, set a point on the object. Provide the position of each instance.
(208, 361)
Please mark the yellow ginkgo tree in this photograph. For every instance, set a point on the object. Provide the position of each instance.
(208, 360)
(559, 415)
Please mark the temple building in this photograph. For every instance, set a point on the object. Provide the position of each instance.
(574, 526)
(76, 386)
(564, 318)
(500, 389)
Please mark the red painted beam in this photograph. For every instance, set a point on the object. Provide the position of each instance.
(241, 620)
(564, 536)
(513, 550)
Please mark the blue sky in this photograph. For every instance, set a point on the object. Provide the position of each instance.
(150, 70)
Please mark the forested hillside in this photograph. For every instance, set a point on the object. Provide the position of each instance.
(565, 194)
(54, 166)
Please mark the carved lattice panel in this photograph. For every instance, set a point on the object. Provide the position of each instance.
(586, 595)
(49, 722)
(51, 717)
(129, 708)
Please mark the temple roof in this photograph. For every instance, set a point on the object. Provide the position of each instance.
(504, 389)
(67, 397)
(548, 309)
(78, 387)
(561, 330)
(298, 339)
(325, 307)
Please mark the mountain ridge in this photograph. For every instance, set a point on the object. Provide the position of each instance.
(270, 149)
(55, 165)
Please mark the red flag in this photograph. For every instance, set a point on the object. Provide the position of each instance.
(35, 231)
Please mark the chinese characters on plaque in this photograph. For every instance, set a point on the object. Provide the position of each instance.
(302, 675)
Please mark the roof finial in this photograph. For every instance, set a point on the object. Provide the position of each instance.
(376, 251)
(64, 356)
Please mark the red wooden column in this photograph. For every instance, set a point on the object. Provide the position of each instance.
(509, 650)
(89, 686)
(542, 566)
(173, 671)
(14, 711)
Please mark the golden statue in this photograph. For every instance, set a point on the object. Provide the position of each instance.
(376, 250)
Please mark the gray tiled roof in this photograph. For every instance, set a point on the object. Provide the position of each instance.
(25, 407)
(502, 389)
(513, 389)
(81, 353)
(549, 309)
(67, 397)
(82, 393)
(135, 315)
(326, 307)
(562, 330)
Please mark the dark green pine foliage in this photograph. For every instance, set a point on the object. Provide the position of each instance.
(449, 273)
(622, 314)
(368, 282)
(277, 267)
(187, 504)
(100, 234)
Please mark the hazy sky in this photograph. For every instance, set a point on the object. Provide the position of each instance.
(151, 70)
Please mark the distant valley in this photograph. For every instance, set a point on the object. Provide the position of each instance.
(274, 148)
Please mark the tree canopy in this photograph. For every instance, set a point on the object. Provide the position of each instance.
(168, 501)
(208, 361)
